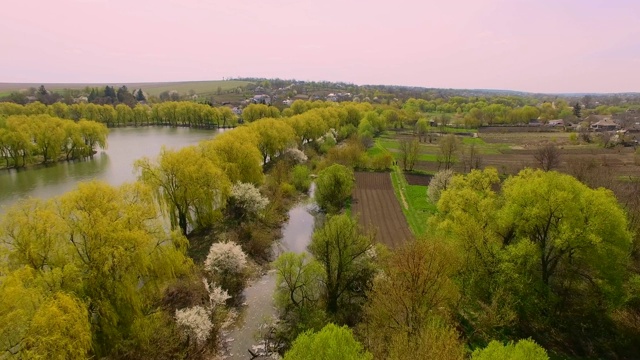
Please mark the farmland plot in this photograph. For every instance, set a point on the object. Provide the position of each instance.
(377, 208)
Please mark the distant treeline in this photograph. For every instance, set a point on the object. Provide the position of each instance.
(167, 114)
(43, 138)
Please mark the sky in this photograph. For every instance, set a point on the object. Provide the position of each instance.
(548, 46)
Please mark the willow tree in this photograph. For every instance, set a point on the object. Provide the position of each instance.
(274, 137)
(105, 249)
(236, 152)
(188, 186)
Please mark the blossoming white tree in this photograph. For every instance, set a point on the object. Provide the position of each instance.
(196, 323)
(227, 265)
(246, 200)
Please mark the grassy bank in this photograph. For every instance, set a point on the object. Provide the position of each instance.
(414, 202)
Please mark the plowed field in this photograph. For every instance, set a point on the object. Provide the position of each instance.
(378, 209)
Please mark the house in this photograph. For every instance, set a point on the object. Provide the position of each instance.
(605, 125)
(287, 102)
(262, 99)
(558, 122)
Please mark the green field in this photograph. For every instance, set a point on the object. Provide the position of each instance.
(200, 87)
(418, 209)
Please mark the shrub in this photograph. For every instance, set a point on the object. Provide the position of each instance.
(246, 200)
(300, 178)
(523, 349)
(287, 190)
(381, 161)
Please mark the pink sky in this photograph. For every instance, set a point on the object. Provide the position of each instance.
(528, 45)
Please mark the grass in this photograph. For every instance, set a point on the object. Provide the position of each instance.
(418, 209)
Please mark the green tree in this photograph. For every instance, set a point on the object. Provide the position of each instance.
(298, 294)
(522, 350)
(544, 237)
(577, 109)
(332, 342)
(236, 152)
(102, 245)
(333, 187)
(60, 329)
(189, 187)
(274, 137)
(347, 256)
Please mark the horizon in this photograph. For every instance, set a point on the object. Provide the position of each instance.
(542, 47)
(142, 83)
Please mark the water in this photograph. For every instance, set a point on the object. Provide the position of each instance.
(259, 308)
(113, 165)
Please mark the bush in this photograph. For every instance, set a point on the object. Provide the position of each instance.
(300, 178)
(381, 162)
(287, 190)
(523, 349)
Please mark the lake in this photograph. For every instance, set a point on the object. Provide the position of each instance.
(113, 165)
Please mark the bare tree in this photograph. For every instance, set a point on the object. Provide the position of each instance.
(409, 151)
(449, 146)
(547, 156)
(471, 158)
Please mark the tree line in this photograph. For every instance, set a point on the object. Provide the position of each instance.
(45, 138)
(165, 114)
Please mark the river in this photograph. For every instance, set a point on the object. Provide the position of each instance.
(259, 308)
(113, 165)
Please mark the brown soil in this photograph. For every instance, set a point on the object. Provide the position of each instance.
(378, 209)
(417, 179)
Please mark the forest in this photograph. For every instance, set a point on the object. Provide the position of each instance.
(531, 265)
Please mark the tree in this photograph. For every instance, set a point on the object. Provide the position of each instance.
(103, 245)
(189, 187)
(227, 266)
(298, 294)
(245, 201)
(409, 151)
(274, 137)
(522, 350)
(545, 237)
(347, 256)
(94, 135)
(60, 329)
(332, 342)
(49, 136)
(547, 156)
(448, 147)
(439, 182)
(577, 110)
(237, 153)
(406, 306)
(140, 95)
(333, 187)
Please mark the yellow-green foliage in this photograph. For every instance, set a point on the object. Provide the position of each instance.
(96, 245)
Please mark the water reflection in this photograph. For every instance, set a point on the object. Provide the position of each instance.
(114, 165)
